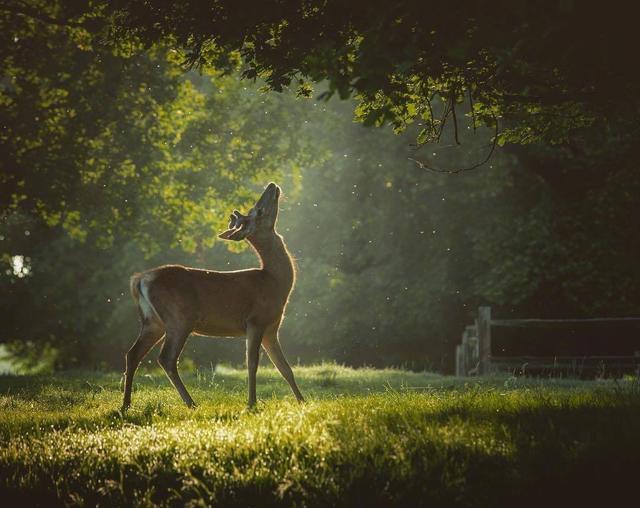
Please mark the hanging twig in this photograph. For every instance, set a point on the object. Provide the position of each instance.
(433, 122)
(427, 166)
(454, 116)
(473, 113)
(443, 121)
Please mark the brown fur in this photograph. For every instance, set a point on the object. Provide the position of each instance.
(175, 301)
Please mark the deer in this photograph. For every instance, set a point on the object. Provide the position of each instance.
(175, 301)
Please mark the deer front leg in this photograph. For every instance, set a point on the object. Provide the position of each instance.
(254, 338)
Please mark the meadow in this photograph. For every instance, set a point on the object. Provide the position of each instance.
(365, 438)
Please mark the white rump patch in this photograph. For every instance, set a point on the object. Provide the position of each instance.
(147, 308)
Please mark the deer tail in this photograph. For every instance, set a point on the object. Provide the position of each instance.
(139, 291)
(134, 286)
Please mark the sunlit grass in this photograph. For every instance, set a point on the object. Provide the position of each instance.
(365, 437)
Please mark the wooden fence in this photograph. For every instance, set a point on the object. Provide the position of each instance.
(474, 355)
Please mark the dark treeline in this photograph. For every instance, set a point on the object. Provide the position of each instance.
(115, 159)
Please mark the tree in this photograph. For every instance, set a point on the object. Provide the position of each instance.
(112, 156)
(116, 158)
(394, 261)
(548, 72)
(106, 140)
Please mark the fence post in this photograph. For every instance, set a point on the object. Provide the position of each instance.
(484, 337)
(460, 360)
(465, 354)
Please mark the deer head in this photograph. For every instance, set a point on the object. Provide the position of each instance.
(260, 220)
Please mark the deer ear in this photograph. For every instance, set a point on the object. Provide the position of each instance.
(235, 234)
(226, 235)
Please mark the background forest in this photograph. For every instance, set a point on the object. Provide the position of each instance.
(116, 159)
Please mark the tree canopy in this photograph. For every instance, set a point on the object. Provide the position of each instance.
(547, 70)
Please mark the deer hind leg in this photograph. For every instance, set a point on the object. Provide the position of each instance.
(271, 344)
(173, 344)
(150, 334)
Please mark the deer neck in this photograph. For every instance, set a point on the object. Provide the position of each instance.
(275, 258)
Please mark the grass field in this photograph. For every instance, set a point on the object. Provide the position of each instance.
(365, 438)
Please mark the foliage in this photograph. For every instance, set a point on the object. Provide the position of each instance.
(110, 157)
(117, 158)
(549, 72)
(382, 438)
(398, 259)
(110, 144)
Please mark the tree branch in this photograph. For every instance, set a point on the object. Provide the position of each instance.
(455, 117)
(473, 114)
(30, 12)
(425, 165)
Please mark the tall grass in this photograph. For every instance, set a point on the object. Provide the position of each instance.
(365, 438)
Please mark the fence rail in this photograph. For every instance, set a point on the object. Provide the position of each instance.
(546, 323)
(473, 354)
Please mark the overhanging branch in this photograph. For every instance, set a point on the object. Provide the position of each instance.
(30, 12)
(429, 167)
